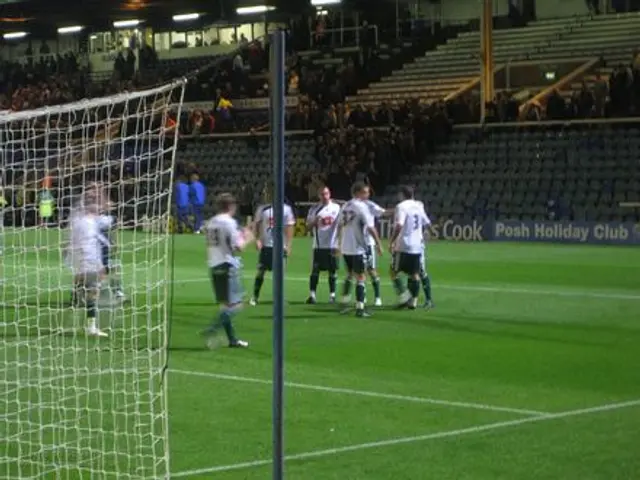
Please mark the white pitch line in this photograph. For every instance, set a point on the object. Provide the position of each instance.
(366, 393)
(476, 288)
(414, 439)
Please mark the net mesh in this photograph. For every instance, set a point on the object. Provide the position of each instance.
(74, 406)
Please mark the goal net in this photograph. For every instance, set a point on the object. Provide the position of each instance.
(76, 406)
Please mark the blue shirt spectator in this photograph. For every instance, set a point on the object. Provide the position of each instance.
(197, 196)
(182, 203)
(198, 191)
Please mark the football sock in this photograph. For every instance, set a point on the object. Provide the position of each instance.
(426, 287)
(346, 290)
(414, 287)
(115, 284)
(360, 293)
(313, 281)
(91, 312)
(397, 284)
(375, 281)
(225, 319)
(333, 278)
(257, 285)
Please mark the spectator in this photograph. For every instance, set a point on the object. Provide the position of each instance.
(294, 83)
(556, 107)
(600, 92)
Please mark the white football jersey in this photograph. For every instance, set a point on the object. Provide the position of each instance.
(264, 215)
(355, 218)
(376, 211)
(85, 244)
(413, 219)
(223, 239)
(324, 233)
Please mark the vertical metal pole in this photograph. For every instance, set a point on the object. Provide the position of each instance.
(276, 67)
(397, 19)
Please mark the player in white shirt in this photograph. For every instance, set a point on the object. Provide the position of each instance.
(264, 224)
(372, 267)
(407, 246)
(85, 253)
(424, 275)
(321, 220)
(224, 240)
(355, 225)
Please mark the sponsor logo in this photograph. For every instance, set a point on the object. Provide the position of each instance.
(471, 231)
(566, 232)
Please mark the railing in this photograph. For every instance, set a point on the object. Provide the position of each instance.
(550, 123)
(462, 126)
(81, 58)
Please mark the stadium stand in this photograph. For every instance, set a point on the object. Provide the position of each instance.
(615, 39)
(439, 74)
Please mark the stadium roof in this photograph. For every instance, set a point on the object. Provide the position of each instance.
(46, 15)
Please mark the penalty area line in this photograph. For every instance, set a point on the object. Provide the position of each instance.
(414, 439)
(366, 393)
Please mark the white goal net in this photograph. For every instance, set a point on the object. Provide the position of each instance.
(72, 405)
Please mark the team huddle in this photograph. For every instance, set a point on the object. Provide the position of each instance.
(348, 230)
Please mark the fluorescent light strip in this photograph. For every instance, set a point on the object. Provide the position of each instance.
(126, 23)
(322, 3)
(14, 35)
(254, 9)
(186, 17)
(72, 29)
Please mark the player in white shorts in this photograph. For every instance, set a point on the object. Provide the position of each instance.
(355, 225)
(264, 223)
(224, 240)
(321, 220)
(85, 253)
(407, 246)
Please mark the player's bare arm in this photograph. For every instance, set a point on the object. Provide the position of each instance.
(397, 228)
(288, 230)
(374, 234)
(256, 233)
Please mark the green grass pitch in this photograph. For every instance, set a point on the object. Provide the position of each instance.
(528, 368)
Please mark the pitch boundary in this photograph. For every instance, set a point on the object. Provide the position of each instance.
(365, 393)
(414, 439)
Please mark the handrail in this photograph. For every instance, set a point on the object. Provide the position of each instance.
(341, 30)
(567, 79)
(462, 126)
(549, 123)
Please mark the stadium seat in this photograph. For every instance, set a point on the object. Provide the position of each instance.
(513, 174)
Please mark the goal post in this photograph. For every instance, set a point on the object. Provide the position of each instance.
(74, 406)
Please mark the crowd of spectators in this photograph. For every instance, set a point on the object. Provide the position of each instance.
(376, 146)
